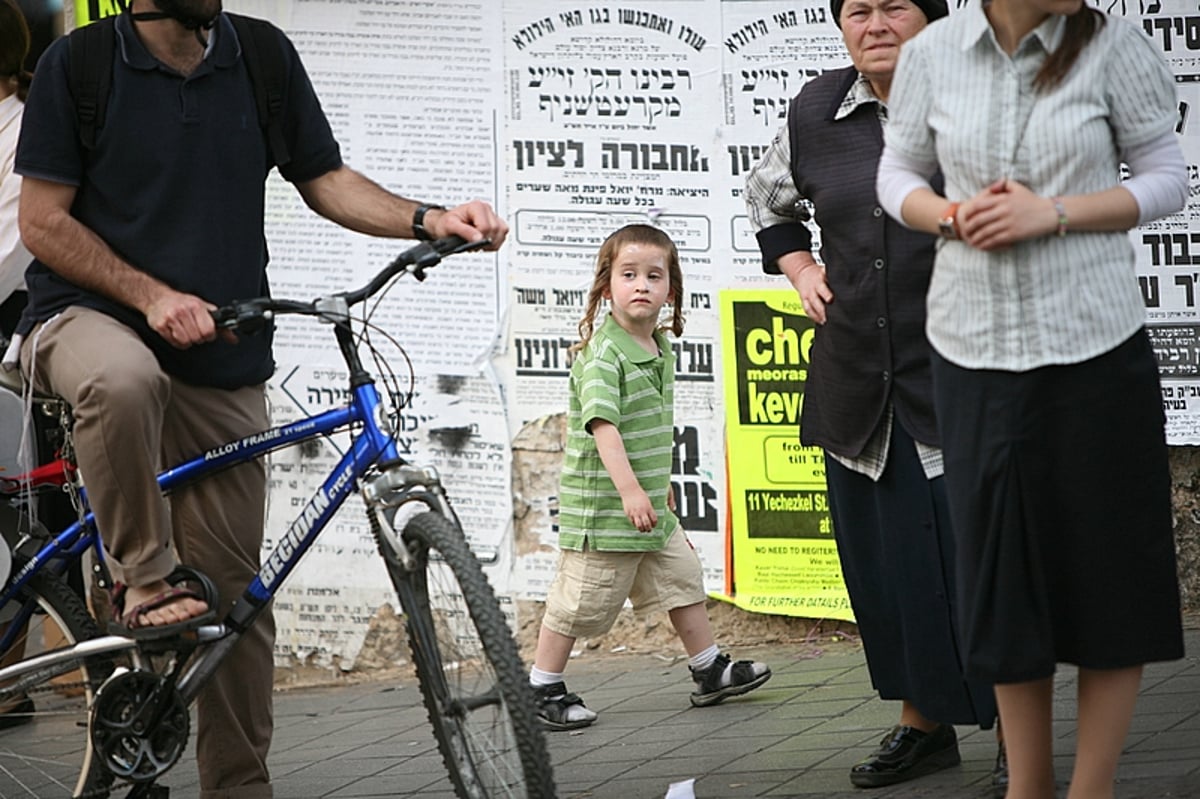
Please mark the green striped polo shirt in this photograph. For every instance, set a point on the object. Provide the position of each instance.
(613, 378)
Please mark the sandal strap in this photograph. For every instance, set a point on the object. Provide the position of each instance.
(742, 673)
(556, 694)
(565, 700)
(130, 618)
(711, 680)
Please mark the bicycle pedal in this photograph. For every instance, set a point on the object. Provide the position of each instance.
(150, 792)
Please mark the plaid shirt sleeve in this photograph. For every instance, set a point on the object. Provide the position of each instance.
(771, 201)
(771, 194)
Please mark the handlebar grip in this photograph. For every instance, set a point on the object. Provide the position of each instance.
(224, 317)
(452, 245)
(244, 316)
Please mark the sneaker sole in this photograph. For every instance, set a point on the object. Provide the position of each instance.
(716, 697)
(938, 761)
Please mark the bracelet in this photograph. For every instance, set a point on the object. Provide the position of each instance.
(948, 224)
(1062, 217)
(418, 221)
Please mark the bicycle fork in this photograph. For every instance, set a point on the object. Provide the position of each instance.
(396, 486)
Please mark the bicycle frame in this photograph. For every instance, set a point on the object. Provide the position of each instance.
(371, 444)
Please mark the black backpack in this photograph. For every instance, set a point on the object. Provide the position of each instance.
(92, 50)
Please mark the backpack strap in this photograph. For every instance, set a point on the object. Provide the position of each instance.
(92, 48)
(265, 63)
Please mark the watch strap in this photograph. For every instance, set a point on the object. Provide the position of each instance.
(418, 220)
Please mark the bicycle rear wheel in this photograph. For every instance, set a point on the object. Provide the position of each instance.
(470, 672)
(47, 752)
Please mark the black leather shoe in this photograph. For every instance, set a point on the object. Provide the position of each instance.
(18, 714)
(1000, 772)
(906, 753)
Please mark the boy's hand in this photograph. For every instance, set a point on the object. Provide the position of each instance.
(639, 510)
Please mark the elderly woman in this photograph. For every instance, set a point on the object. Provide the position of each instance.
(868, 400)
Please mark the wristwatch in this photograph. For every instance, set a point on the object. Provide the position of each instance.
(948, 224)
(418, 220)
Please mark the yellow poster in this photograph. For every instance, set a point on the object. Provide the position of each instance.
(783, 558)
(91, 10)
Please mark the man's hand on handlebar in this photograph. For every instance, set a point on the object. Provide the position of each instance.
(472, 221)
(184, 320)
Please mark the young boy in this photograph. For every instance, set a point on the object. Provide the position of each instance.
(618, 532)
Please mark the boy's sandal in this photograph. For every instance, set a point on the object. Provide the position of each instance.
(555, 713)
(125, 622)
(743, 678)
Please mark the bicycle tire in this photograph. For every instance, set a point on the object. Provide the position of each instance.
(51, 756)
(471, 676)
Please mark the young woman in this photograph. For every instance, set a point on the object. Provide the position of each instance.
(1045, 384)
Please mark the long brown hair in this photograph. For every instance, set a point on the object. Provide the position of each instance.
(14, 46)
(631, 234)
(1080, 28)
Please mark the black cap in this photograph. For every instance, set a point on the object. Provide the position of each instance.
(933, 9)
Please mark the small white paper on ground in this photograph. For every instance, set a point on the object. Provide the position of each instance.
(681, 790)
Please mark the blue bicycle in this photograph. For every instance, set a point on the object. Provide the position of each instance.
(110, 714)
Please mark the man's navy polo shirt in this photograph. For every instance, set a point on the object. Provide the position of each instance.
(174, 185)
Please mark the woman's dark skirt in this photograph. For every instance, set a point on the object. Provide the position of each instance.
(897, 552)
(1059, 491)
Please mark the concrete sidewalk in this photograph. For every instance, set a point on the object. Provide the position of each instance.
(797, 736)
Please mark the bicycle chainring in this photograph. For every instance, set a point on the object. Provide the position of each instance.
(126, 744)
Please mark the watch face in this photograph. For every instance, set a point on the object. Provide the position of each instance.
(946, 228)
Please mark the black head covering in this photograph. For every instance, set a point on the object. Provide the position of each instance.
(933, 9)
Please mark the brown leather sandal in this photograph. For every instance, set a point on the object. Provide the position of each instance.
(125, 622)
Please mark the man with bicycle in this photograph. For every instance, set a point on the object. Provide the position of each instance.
(137, 236)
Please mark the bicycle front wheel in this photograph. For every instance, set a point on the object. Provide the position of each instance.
(469, 669)
(45, 749)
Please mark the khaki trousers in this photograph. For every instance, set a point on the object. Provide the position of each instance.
(130, 418)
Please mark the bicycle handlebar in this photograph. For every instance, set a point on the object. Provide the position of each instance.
(249, 316)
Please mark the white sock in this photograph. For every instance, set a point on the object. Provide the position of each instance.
(539, 677)
(702, 660)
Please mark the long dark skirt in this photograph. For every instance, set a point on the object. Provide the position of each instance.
(897, 553)
(1059, 489)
